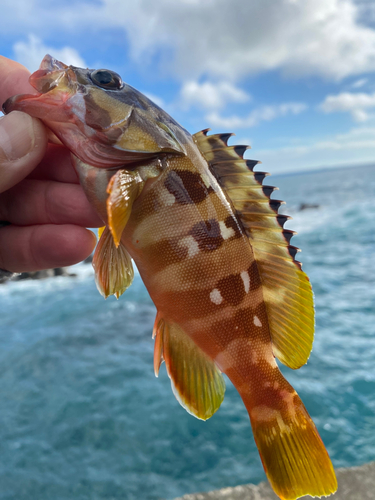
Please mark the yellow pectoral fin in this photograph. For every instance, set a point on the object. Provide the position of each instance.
(113, 266)
(196, 381)
(123, 189)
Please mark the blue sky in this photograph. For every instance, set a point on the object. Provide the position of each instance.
(292, 78)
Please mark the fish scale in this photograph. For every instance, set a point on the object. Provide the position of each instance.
(211, 249)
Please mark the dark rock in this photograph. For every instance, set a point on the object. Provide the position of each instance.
(43, 274)
(307, 206)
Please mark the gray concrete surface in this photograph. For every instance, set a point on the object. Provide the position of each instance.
(355, 483)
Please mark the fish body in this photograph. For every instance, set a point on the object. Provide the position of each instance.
(211, 250)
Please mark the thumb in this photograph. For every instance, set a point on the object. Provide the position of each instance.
(23, 143)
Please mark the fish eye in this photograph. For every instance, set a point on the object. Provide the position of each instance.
(106, 79)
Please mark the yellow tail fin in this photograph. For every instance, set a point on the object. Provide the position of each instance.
(292, 452)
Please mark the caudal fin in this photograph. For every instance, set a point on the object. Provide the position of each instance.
(292, 452)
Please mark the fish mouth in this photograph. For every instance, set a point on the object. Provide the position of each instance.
(52, 74)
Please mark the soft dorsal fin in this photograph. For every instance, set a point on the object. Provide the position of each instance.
(196, 381)
(286, 288)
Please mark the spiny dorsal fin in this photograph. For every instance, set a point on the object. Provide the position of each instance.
(196, 381)
(286, 288)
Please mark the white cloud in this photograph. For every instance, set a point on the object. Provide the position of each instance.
(31, 53)
(356, 104)
(354, 147)
(264, 113)
(211, 95)
(310, 37)
(220, 38)
(359, 83)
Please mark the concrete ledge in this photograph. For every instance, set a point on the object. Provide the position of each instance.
(355, 483)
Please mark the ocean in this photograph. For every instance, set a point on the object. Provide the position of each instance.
(82, 416)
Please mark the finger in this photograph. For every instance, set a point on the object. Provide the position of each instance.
(56, 165)
(23, 142)
(33, 248)
(47, 202)
(14, 79)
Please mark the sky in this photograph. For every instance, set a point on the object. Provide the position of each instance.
(294, 79)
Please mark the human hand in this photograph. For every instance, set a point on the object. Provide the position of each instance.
(40, 195)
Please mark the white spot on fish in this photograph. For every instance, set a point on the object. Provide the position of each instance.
(226, 232)
(246, 280)
(167, 198)
(254, 358)
(216, 297)
(276, 385)
(191, 245)
(257, 321)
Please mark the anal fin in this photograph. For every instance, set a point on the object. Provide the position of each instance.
(113, 266)
(196, 381)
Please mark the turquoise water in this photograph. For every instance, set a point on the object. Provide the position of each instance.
(83, 417)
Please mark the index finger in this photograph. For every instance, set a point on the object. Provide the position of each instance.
(14, 79)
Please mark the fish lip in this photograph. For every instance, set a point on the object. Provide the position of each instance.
(41, 80)
(12, 103)
(51, 74)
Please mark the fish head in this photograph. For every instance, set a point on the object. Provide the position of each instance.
(102, 120)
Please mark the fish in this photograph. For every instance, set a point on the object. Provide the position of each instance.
(212, 251)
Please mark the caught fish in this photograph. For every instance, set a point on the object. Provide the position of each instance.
(211, 249)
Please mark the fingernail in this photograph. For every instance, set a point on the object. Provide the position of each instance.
(17, 136)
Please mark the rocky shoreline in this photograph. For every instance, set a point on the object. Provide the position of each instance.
(355, 483)
(45, 273)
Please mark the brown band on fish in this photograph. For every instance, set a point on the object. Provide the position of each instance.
(166, 252)
(187, 187)
(232, 289)
(253, 272)
(240, 325)
(192, 304)
(223, 331)
(231, 223)
(208, 235)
